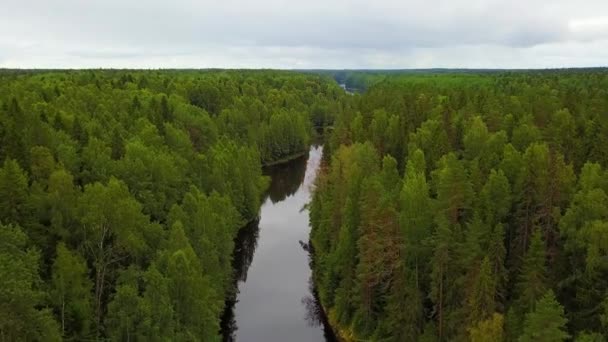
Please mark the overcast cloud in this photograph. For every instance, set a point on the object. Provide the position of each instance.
(303, 34)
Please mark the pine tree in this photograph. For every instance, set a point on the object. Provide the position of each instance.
(440, 276)
(532, 281)
(416, 216)
(13, 193)
(454, 189)
(546, 323)
(23, 316)
(480, 301)
(495, 198)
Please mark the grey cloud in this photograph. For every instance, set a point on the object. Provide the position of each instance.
(314, 33)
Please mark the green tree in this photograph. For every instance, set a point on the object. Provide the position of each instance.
(495, 198)
(62, 196)
(532, 280)
(13, 193)
(454, 189)
(441, 291)
(158, 305)
(23, 315)
(126, 319)
(195, 305)
(416, 216)
(71, 293)
(489, 330)
(42, 163)
(480, 302)
(546, 322)
(113, 228)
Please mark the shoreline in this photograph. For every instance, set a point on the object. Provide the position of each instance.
(286, 159)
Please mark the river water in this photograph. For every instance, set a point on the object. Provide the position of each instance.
(275, 299)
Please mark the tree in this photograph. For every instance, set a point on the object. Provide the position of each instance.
(23, 315)
(532, 281)
(71, 293)
(399, 324)
(495, 198)
(13, 193)
(379, 251)
(475, 138)
(489, 330)
(126, 318)
(194, 302)
(440, 291)
(589, 337)
(416, 217)
(42, 163)
(390, 178)
(480, 301)
(62, 198)
(546, 322)
(113, 228)
(454, 189)
(157, 303)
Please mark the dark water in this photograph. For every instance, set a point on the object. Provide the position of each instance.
(348, 90)
(275, 300)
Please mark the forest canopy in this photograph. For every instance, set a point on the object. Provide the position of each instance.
(453, 206)
(467, 206)
(121, 193)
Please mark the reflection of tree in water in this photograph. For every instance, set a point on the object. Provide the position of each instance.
(286, 178)
(245, 245)
(315, 315)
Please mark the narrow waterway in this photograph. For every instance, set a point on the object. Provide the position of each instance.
(275, 299)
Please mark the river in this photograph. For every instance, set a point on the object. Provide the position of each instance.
(275, 299)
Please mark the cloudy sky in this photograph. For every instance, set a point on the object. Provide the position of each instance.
(303, 33)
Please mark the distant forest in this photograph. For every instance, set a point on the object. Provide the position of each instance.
(121, 193)
(468, 206)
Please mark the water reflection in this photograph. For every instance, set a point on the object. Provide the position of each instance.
(245, 244)
(315, 316)
(285, 178)
(275, 300)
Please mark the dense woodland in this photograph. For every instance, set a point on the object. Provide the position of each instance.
(469, 206)
(121, 193)
(453, 207)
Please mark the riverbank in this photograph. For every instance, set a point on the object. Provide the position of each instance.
(287, 159)
(342, 334)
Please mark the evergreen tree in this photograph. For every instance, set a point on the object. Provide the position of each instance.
(546, 322)
(13, 193)
(23, 315)
(532, 280)
(480, 301)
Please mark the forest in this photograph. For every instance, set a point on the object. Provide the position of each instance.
(451, 205)
(467, 207)
(121, 193)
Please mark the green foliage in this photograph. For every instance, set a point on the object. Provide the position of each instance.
(546, 322)
(532, 281)
(489, 330)
(502, 197)
(13, 193)
(102, 169)
(23, 315)
(71, 293)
